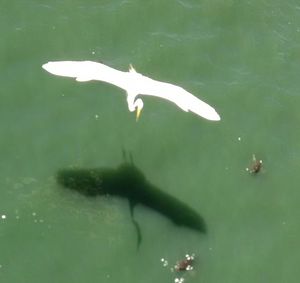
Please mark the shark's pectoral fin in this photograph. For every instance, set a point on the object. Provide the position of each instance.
(135, 223)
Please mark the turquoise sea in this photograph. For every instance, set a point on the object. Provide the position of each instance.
(241, 57)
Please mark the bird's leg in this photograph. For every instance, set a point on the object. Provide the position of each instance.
(131, 69)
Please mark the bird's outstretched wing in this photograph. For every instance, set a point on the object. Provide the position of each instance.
(133, 83)
(84, 71)
(178, 95)
(81, 71)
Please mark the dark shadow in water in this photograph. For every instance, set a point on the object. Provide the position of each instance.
(128, 181)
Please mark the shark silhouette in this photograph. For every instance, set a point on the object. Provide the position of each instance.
(127, 181)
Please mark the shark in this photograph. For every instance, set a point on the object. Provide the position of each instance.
(128, 182)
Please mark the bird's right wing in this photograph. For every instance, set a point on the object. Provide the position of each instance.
(84, 71)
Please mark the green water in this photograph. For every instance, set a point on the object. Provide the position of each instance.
(242, 57)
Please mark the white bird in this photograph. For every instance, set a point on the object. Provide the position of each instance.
(134, 84)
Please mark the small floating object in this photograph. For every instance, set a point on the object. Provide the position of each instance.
(255, 166)
(164, 261)
(185, 264)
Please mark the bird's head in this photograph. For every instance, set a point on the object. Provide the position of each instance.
(138, 104)
(134, 104)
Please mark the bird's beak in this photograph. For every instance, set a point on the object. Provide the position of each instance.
(138, 113)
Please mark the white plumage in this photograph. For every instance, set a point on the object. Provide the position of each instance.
(134, 84)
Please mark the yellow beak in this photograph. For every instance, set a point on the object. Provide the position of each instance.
(138, 113)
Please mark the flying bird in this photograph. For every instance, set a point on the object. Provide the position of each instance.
(134, 84)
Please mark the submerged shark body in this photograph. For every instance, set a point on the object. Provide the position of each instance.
(128, 182)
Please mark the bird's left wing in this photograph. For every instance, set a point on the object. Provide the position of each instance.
(176, 94)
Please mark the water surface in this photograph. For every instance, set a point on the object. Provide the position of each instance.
(242, 58)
